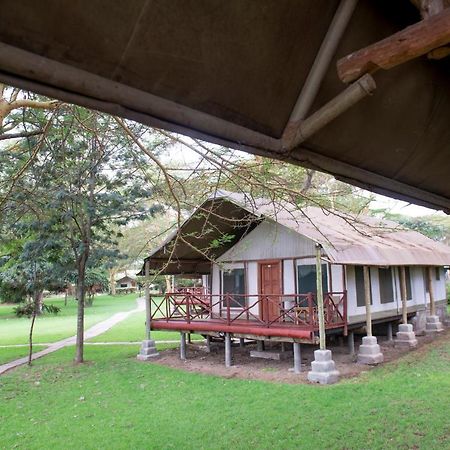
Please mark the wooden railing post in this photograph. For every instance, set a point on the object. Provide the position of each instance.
(188, 308)
(228, 309)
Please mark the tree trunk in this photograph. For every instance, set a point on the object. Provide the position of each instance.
(79, 357)
(112, 281)
(30, 338)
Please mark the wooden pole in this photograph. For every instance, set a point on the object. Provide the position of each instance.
(148, 314)
(431, 291)
(319, 295)
(403, 293)
(410, 43)
(367, 296)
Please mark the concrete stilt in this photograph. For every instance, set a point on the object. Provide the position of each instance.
(297, 358)
(182, 345)
(351, 343)
(260, 346)
(241, 342)
(406, 336)
(369, 351)
(227, 350)
(323, 369)
(389, 332)
(433, 325)
(208, 344)
(148, 350)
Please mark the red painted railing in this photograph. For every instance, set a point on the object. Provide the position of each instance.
(298, 310)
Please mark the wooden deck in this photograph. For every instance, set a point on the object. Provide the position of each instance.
(244, 316)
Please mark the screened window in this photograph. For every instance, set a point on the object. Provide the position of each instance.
(438, 273)
(359, 280)
(306, 277)
(234, 284)
(123, 284)
(386, 288)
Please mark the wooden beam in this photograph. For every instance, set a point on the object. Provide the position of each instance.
(415, 40)
(367, 298)
(431, 290)
(404, 294)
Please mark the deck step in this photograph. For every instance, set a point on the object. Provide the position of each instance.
(277, 356)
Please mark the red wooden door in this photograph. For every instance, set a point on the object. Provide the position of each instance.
(270, 286)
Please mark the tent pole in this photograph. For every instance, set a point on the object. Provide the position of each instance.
(319, 296)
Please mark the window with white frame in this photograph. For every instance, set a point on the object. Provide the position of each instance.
(386, 284)
(306, 280)
(359, 284)
(233, 284)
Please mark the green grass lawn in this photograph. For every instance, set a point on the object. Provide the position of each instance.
(132, 329)
(51, 328)
(116, 402)
(12, 353)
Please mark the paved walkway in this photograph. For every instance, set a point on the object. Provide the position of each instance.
(94, 331)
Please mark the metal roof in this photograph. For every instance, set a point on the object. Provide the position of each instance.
(346, 239)
(246, 74)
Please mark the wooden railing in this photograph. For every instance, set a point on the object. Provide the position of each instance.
(291, 310)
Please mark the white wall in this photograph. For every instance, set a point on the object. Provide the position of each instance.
(270, 240)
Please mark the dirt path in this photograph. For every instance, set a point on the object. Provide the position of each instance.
(94, 331)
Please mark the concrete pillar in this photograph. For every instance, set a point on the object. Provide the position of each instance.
(148, 348)
(260, 346)
(227, 350)
(405, 336)
(183, 345)
(389, 332)
(369, 351)
(323, 369)
(208, 344)
(241, 342)
(351, 343)
(297, 358)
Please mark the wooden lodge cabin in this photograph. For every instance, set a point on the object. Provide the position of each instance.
(262, 283)
(125, 283)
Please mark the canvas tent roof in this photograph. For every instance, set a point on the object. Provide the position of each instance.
(232, 71)
(346, 239)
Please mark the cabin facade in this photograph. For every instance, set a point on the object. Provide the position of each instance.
(263, 284)
(125, 283)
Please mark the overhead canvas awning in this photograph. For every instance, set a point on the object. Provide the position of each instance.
(260, 76)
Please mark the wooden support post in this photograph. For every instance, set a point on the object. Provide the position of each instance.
(404, 294)
(431, 291)
(351, 343)
(389, 332)
(367, 298)
(297, 358)
(183, 345)
(319, 290)
(241, 342)
(227, 350)
(148, 312)
(260, 346)
(189, 338)
(208, 344)
(413, 41)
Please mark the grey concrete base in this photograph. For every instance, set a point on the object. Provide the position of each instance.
(406, 338)
(433, 325)
(277, 356)
(323, 369)
(148, 350)
(369, 351)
